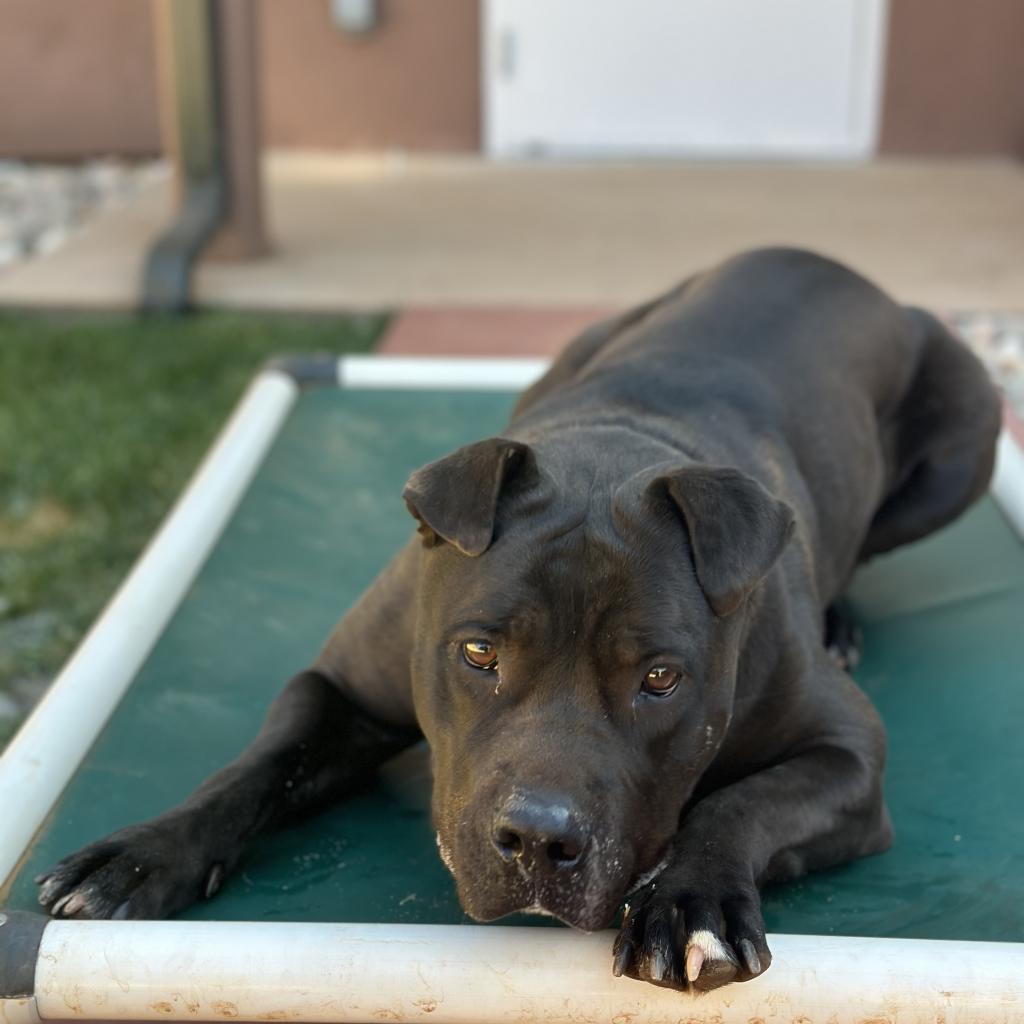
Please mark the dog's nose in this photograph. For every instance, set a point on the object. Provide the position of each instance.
(542, 832)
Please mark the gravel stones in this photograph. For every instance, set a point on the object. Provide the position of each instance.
(42, 204)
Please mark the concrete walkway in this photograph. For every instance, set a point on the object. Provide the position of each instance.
(394, 233)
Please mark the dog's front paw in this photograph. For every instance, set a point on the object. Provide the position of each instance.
(144, 871)
(686, 939)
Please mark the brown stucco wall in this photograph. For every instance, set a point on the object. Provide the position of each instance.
(411, 83)
(954, 77)
(77, 79)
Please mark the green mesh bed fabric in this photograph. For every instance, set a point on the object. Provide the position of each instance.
(944, 662)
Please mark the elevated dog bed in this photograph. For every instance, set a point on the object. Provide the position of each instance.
(352, 917)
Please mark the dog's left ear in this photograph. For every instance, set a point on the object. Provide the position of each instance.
(456, 498)
(737, 529)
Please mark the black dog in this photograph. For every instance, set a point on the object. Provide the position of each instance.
(610, 629)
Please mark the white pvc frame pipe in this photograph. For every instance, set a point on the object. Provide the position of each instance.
(419, 373)
(1008, 480)
(452, 975)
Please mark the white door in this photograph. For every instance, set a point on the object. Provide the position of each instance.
(716, 78)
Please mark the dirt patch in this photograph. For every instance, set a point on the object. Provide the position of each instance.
(45, 520)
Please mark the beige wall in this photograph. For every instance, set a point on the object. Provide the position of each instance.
(77, 78)
(954, 77)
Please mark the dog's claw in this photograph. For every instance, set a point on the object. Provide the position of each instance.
(750, 957)
(214, 881)
(694, 963)
(48, 890)
(658, 966)
(121, 914)
(73, 904)
(623, 953)
(58, 907)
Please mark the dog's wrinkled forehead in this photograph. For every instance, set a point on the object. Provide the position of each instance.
(581, 563)
(565, 580)
(496, 498)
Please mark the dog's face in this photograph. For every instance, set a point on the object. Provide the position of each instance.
(571, 674)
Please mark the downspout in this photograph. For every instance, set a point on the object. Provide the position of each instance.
(190, 51)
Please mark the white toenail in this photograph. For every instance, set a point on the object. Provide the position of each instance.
(709, 944)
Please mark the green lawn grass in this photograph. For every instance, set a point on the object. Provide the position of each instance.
(102, 420)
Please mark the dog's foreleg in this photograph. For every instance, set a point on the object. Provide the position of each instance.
(323, 736)
(698, 924)
(315, 746)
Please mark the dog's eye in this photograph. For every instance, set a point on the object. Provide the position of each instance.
(480, 654)
(660, 681)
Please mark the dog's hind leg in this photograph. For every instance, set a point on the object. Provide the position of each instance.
(843, 638)
(947, 426)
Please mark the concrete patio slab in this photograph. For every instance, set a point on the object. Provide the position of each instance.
(100, 265)
(393, 233)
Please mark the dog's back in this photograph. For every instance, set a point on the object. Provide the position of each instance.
(869, 418)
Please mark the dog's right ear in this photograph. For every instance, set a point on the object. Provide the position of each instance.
(456, 498)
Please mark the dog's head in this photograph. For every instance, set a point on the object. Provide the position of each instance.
(575, 663)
